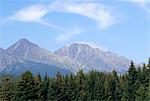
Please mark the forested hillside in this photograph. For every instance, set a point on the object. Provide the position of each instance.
(131, 86)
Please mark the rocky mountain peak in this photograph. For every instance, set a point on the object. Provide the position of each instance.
(93, 57)
(26, 42)
(80, 45)
(21, 46)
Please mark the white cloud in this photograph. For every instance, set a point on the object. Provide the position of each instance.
(102, 15)
(67, 36)
(34, 13)
(31, 13)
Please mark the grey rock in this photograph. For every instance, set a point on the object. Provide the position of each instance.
(32, 52)
(94, 58)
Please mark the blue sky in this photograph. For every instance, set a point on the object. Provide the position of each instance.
(120, 26)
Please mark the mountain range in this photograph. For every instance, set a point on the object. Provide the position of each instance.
(25, 55)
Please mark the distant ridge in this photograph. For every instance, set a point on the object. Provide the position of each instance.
(25, 55)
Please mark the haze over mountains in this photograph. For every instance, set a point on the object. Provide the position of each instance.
(24, 55)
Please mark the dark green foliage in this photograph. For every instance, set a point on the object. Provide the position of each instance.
(44, 88)
(6, 89)
(132, 77)
(114, 87)
(90, 85)
(25, 87)
(143, 83)
(80, 82)
(38, 88)
(98, 86)
(71, 90)
(57, 88)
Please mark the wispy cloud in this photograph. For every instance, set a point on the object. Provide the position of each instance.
(101, 15)
(31, 13)
(68, 35)
(97, 12)
(34, 13)
(143, 4)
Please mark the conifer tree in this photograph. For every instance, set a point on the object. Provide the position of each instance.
(51, 90)
(148, 76)
(112, 90)
(6, 89)
(90, 85)
(143, 84)
(38, 88)
(116, 87)
(132, 77)
(80, 82)
(44, 88)
(25, 87)
(72, 87)
(58, 93)
(124, 87)
(66, 87)
(99, 89)
(107, 87)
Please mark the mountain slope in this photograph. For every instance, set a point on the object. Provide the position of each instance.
(94, 58)
(32, 52)
(7, 60)
(1, 50)
(10, 64)
(17, 68)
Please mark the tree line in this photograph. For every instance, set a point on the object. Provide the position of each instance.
(95, 85)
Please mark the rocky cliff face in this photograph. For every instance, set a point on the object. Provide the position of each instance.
(94, 58)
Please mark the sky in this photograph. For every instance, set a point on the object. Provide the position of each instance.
(118, 26)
